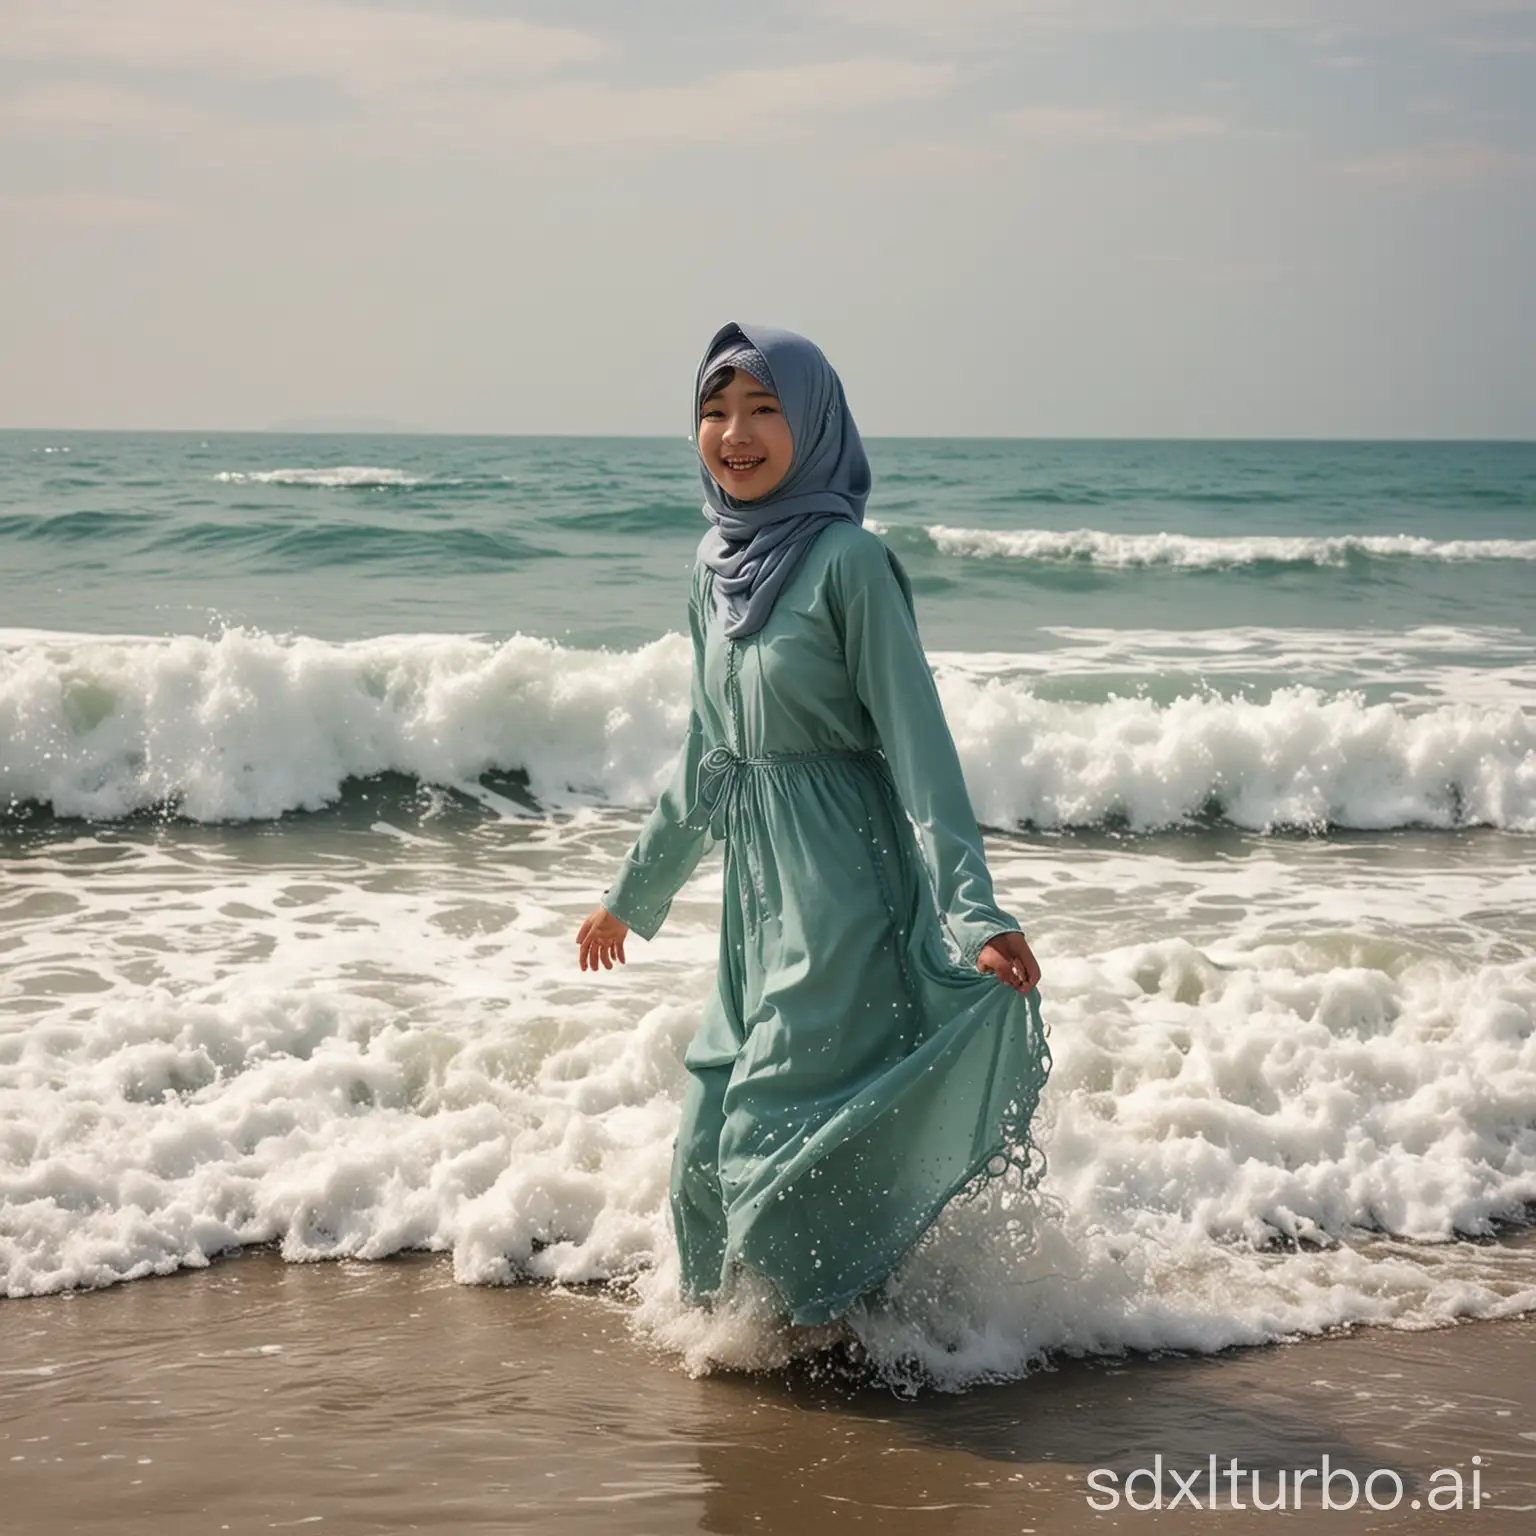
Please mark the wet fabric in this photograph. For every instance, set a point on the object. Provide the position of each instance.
(852, 1070)
(754, 546)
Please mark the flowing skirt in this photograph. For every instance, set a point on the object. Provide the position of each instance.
(849, 1077)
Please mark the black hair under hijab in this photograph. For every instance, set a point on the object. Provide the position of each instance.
(715, 383)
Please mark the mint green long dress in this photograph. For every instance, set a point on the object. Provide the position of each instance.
(850, 1074)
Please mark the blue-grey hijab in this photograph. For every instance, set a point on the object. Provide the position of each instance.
(754, 546)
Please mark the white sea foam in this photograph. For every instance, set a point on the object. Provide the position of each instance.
(1093, 546)
(1491, 667)
(1245, 1142)
(340, 475)
(351, 1059)
(1299, 759)
(249, 725)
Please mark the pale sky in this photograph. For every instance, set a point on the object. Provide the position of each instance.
(1010, 217)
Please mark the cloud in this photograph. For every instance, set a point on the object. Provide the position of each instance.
(957, 20)
(90, 109)
(88, 209)
(424, 119)
(1107, 125)
(363, 50)
(1447, 162)
(1206, 268)
(413, 82)
(1496, 47)
(740, 104)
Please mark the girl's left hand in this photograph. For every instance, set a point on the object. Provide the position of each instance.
(1009, 957)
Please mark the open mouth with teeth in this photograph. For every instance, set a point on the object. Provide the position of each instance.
(742, 466)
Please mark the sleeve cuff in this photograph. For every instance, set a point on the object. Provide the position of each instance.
(645, 923)
(974, 934)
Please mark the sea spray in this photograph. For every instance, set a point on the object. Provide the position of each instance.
(339, 476)
(1244, 1142)
(249, 726)
(1101, 547)
(1239, 1152)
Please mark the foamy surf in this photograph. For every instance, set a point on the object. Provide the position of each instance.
(1098, 547)
(249, 726)
(339, 476)
(1240, 1150)
(1247, 1139)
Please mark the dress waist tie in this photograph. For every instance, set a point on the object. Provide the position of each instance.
(717, 787)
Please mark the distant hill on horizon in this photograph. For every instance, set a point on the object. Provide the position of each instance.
(338, 424)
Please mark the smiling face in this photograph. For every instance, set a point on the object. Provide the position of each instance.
(744, 439)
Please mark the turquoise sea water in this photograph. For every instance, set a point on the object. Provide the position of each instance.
(314, 751)
(585, 540)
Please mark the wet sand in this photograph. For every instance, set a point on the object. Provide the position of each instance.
(368, 1398)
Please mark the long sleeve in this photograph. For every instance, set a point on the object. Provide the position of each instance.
(668, 850)
(894, 682)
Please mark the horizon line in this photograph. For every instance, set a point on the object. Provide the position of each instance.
(976, 437)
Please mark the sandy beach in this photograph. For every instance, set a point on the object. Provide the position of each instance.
(361, 1398)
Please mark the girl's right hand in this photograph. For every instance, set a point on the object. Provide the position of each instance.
(601, 938)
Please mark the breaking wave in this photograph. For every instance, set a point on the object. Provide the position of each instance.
(363, 476)
(1093, 546)
(249, 726)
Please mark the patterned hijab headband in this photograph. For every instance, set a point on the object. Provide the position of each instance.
(745, 356)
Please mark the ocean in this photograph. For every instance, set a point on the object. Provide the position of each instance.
(315, 751)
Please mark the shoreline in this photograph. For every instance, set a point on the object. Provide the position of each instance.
(382, 1396)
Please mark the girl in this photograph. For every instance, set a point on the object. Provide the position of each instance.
(849, 1075)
